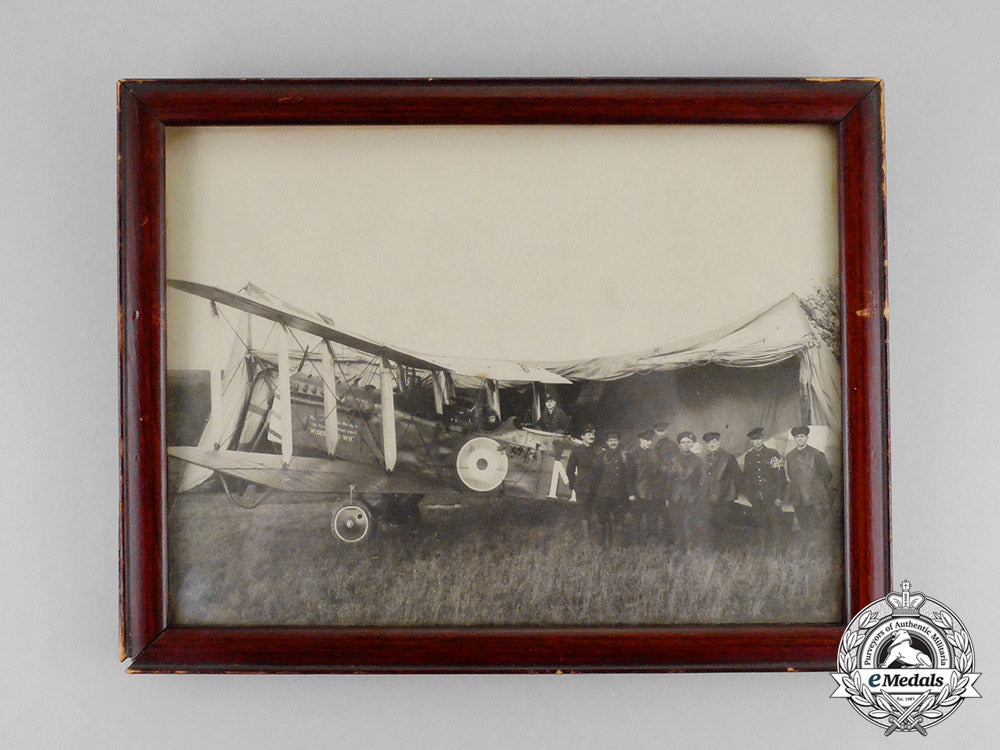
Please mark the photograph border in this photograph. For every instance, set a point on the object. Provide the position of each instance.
(146, 107)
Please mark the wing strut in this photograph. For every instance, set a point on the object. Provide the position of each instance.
(493, 396)
(439, 381)
(285, 396)
(215, 376)
(388, 415)
(329, 378)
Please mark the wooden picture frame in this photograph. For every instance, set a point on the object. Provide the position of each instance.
(146, 107)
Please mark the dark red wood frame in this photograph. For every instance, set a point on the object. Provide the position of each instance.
(853, 106)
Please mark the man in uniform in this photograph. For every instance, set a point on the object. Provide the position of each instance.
(685, 478)
(663, 444)
(665, 448)
(553, 419)
(764, 484)
(648, 501)
(719, 482)
(612, 482)
(809, 480)
(482, 415)
(579, 468)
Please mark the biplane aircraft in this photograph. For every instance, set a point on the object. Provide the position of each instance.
(317, 412)
(370, 428)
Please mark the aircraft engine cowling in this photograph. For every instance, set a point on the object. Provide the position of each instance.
(482, 464)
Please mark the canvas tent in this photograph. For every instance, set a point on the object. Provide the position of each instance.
(768, 369)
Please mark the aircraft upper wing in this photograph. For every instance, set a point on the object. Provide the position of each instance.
(497, 369)
(482, 368)
(299, 321)
(304, 474)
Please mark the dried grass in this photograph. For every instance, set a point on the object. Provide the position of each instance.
(488, 563)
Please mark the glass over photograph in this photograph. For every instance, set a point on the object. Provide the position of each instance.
(503, 375)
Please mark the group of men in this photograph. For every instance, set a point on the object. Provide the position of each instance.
(669, 489)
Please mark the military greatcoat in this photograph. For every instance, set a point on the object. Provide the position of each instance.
(579, 468)
(721, 477)
(763, 476)
(809, 477)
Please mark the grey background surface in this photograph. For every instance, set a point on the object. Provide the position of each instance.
(60, 680)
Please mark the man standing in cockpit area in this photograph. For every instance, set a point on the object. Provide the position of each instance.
(553, 419)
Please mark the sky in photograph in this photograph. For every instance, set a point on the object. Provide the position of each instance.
(531, 242)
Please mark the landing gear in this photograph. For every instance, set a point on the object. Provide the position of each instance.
(242, 494)
(399, 511)
(353, 522)
(357, 519)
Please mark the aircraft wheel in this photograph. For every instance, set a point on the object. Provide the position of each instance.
(352, 522)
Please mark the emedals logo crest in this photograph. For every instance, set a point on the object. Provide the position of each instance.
(905, 662)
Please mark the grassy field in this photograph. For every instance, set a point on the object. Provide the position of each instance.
(486, 563)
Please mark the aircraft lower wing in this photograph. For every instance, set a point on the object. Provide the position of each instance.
(304, 474)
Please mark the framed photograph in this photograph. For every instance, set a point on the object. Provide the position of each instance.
(500, 375)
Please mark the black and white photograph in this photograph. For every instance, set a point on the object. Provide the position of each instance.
(517, 375)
